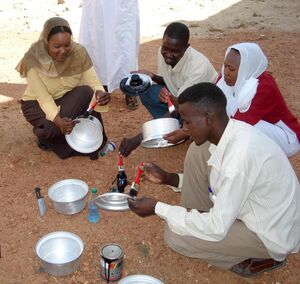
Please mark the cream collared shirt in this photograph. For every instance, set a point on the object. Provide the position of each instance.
(45, 89)
(253, 181)
(191, 69)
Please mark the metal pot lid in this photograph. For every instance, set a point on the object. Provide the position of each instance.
(140, 279)
(135, 84)
(112, 252)
(113, 201)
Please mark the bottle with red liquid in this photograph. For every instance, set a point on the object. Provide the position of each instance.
(121, 177)
(135, 187)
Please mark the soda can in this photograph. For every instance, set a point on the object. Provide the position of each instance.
(111, 262)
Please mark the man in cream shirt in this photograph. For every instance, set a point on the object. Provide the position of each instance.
(240, 198)
(179, 67)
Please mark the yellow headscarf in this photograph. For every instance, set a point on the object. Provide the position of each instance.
(37, 56)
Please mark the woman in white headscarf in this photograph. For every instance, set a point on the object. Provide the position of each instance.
(254, 97)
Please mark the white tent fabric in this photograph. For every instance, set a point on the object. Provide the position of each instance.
(110, 31)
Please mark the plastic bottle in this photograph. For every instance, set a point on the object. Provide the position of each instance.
(93, 213)
(109, 147)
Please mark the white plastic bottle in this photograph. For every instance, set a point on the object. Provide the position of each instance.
(109, 147)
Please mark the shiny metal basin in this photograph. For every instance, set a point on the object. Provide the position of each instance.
(154, 130)
(140, 279)
(59, 252)
(68, 196)
(86, 136)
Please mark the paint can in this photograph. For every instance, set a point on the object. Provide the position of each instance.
(111, 262)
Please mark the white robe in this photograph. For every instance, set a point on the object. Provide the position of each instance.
(110, 31)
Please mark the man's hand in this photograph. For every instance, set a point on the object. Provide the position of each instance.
(155, 174)
(143, 207)
(176, 136)
(129, 144)
(163, 95)
(64, 124)
(102, 98)
(174, 101)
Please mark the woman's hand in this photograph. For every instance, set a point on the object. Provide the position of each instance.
(103, 98)
(176, 136)
(64, 124)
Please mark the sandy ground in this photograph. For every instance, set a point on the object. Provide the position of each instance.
(214, 25)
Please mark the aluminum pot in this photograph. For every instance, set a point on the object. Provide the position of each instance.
(141, 279)
(87, 135)
(59, 252)
(68, 196)
(154, 130)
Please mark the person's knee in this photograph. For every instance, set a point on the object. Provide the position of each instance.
(47, 131)
(170, 238)
(87, 90)
(151, 96)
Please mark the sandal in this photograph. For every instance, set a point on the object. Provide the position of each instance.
(254, 266)
(131, 102)
(42, 145)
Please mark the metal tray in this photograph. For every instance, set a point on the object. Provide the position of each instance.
(140, 279)
(113, 201)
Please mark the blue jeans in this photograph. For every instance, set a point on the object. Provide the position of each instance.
(152, 103)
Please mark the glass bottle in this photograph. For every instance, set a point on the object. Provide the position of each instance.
(121, 177)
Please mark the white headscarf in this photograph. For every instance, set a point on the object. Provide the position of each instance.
(253, 63)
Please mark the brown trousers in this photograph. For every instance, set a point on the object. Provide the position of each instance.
(72, 104)
(239, 244)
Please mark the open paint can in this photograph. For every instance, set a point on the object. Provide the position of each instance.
(111, 262)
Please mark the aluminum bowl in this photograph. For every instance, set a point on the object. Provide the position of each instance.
(140, 279)
(154, 130)
(59, 252)
(68, 196)
(86, 136)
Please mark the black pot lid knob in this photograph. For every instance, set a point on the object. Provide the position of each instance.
(135, 80)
